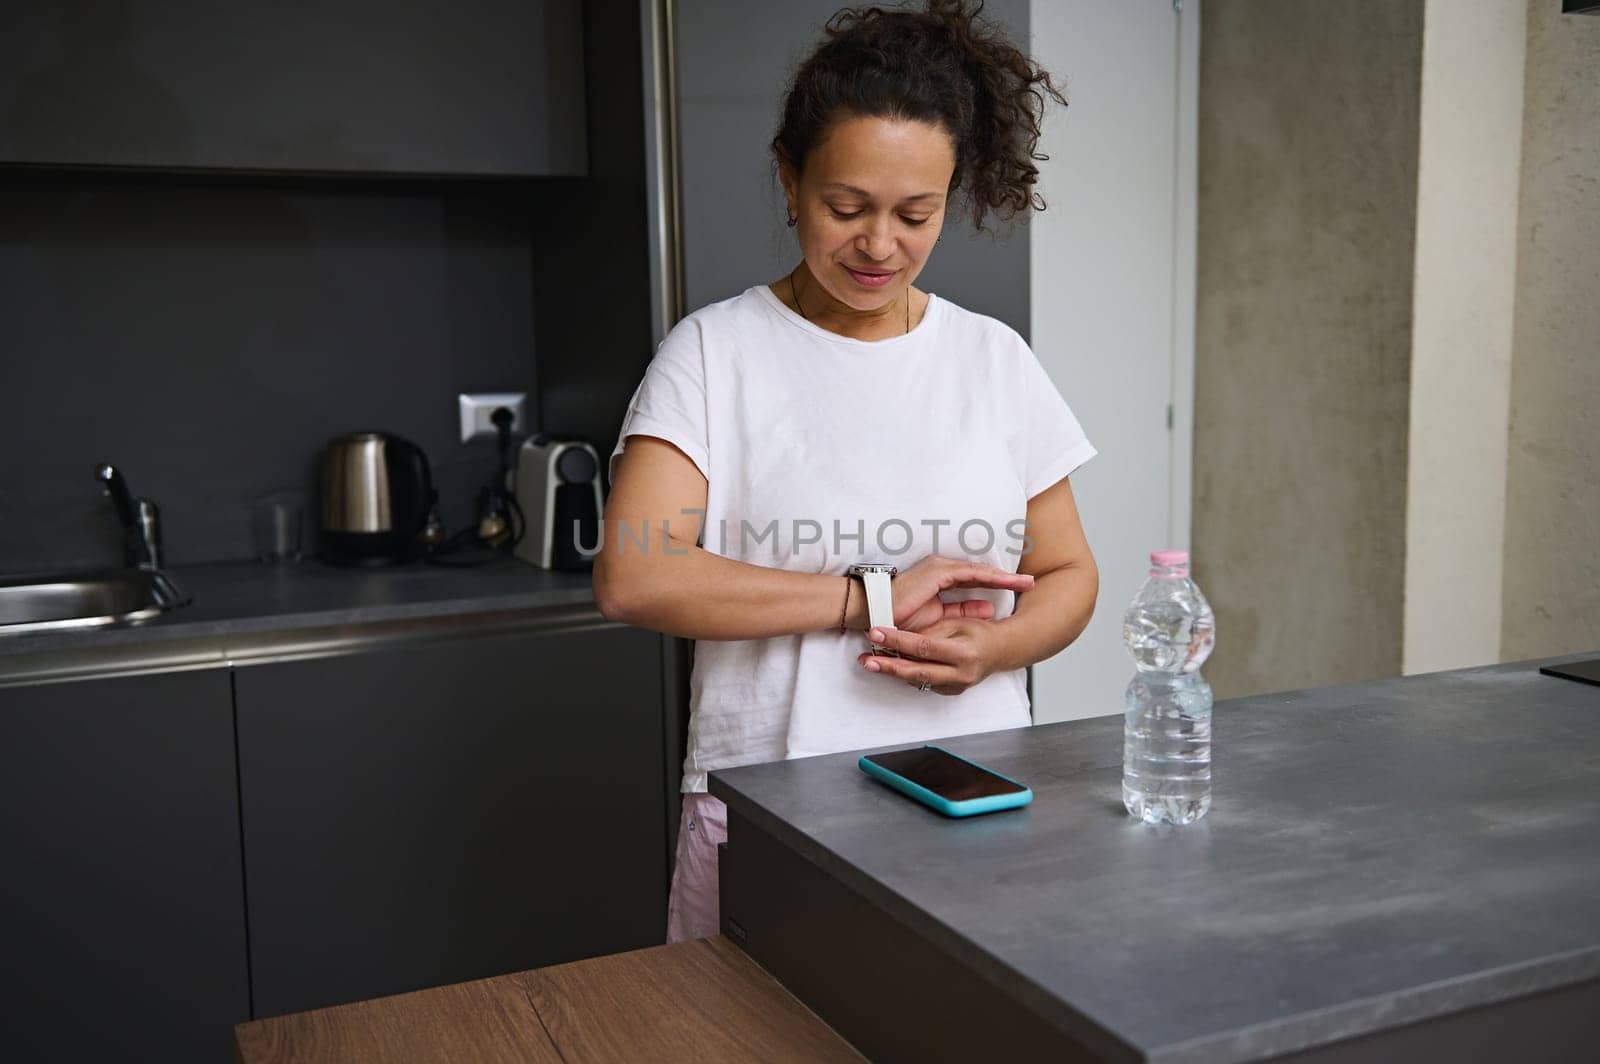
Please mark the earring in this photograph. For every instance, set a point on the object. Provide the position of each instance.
(792, 221)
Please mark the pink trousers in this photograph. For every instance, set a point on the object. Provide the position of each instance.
(692, 905)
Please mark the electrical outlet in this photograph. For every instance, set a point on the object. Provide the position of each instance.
(476, 408)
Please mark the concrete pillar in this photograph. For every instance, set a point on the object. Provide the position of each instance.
(1552, 544)
(1307, 220)
(1397, 458)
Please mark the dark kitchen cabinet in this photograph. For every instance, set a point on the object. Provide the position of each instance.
(476, 87)
(122, 930)
(450, 810)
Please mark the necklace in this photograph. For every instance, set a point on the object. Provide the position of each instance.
(796, 297)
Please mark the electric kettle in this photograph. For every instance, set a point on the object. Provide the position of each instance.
(377, 490)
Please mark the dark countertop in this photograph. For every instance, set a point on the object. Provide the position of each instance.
(234, 602)
(1376, 854)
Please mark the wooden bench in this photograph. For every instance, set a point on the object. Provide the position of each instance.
(703, 1001)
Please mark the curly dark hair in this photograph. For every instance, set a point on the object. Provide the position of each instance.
(946, 65)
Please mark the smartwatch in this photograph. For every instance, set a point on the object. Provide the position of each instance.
(880, 603)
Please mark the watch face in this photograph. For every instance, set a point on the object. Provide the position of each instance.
(858, 570)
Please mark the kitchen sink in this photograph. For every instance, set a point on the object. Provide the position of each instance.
(52, 601)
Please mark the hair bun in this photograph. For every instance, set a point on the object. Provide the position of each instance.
(948, 65)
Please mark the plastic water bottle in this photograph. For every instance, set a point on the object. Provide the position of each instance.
(1166, 741)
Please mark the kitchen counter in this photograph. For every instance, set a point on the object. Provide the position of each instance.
(1406, 867)
(240, 609)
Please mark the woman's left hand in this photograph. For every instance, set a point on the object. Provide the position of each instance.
(949, 655)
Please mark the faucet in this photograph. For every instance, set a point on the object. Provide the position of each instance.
(141, 520)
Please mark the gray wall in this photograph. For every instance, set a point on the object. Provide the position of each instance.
(590, 245)
(732, 71)
(1551, 601)
(209, 333)
(208, 338)
(1307, 213)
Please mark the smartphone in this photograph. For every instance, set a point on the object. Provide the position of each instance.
(945, 782)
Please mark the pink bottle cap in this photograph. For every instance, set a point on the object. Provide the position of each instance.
(1169, 558)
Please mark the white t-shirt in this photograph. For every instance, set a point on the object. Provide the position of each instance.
(807, 439)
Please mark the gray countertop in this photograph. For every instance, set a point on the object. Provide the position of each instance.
(1376, 854)
(237, 604)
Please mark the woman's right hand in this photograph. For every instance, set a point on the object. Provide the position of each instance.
(916, 591)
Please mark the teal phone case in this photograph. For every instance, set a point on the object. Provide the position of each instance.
(940, 804)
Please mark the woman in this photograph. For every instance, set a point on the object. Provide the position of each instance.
(838, 415)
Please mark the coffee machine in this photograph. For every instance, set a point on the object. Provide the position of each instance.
(558, 492)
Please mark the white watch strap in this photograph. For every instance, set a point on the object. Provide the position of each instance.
(880, 603)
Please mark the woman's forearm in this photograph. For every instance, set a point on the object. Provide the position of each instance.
(696, 594)
(1048, 618)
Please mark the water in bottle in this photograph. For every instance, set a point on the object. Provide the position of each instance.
(1166, 749)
